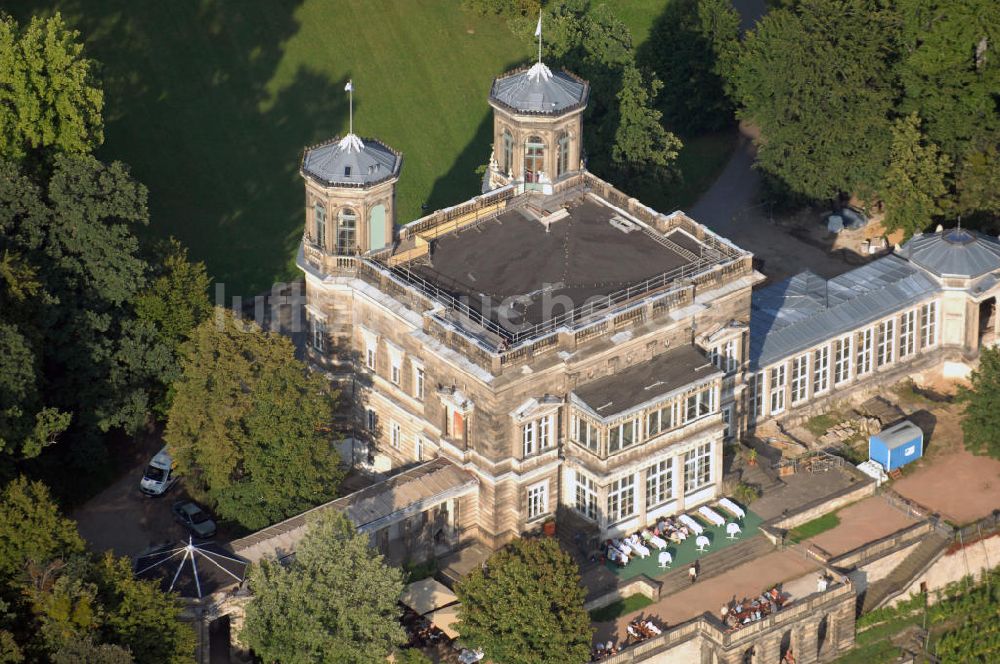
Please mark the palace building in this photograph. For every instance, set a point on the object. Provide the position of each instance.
(553, 348)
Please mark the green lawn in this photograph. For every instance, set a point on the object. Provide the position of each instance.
(620, 608)
(638, 15)
(686, 552)
(814, 527)
(211, 103)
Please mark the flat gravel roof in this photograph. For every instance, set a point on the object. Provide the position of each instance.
(646, 381)
(539, 273)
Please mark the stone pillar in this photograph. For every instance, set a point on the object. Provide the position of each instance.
(678, 461)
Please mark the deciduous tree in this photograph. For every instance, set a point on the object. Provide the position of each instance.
(817, 80)
(981, 416)
(247, 424)
(526, 605)
(915, 187)
(335, 602)
(32, 528)
(49, 100)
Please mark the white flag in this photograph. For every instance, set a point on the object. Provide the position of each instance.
(349, 87)
(538, 29)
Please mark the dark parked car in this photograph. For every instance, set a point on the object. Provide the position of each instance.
(190, 515)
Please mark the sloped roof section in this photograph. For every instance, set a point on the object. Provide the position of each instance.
(955, 252)
(390, 500)
(795, 314)
(539, 90)
(351, 162)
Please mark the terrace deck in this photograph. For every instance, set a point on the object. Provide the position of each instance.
(517, 271)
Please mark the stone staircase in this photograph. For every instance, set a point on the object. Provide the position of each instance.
(904, 574)
(715, 564)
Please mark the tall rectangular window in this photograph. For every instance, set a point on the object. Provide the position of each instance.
(586, 496)
(622, 435)
(529, 438)
(418, 381)
(585, 433)
(395, 435)
(821, 370)
(418, 448)
(545, 432)
(928, 324)
(621, 499)
(886, 341)
(697, 467)
(865, 339)
(396, 371)
(659, 483)
(842, 360)
(317, 334)
(538, 500)
(732, 361)
(907, 333)
(370, 357)
(800, 377)
(778, 388)
(758, 395)
(319, 218)
(371, 420)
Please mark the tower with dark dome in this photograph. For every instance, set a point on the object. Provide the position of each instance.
(537, 127)
(350, 195)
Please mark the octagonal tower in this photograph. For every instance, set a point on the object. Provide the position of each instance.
(537, 127)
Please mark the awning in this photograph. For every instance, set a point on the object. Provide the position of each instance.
(445, 618)
(427, 595)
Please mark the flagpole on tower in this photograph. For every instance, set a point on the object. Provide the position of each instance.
(538, 33)
(350, 94)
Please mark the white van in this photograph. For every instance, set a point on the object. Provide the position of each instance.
(159, 476)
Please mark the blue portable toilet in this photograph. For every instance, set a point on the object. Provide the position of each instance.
(896, 446)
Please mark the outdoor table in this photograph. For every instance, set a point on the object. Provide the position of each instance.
(692, 524)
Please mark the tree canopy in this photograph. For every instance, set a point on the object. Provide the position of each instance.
(70, 273)
(915, 186)
(246, 425)
(49, 100)
(336, 601)
(817, 81)
(691, 47)
(526, 605)
(981, 416)
(59, 604)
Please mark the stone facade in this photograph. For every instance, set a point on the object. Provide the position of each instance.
(423, 389)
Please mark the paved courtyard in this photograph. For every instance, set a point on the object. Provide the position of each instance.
(865, 521)
(796, 573)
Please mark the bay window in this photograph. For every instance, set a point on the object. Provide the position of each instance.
(621, 499)
(659, 483)
(622, 435)
(697, 467)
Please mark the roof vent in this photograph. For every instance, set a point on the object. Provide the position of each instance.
(623, 224)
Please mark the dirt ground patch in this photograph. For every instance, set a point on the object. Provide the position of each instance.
(956, 484)
(864, 521)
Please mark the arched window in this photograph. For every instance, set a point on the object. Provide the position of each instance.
(319, 223)
(508, 152)
(562, 155)
(346, 225)
(534, 158)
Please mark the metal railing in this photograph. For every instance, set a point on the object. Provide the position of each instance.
(565, 319)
